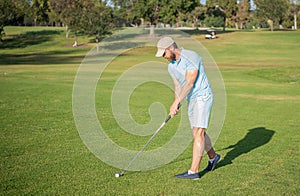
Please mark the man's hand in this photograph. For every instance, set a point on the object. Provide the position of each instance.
(181, 93)
(174, 109)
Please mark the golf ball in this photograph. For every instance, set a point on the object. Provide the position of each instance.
(117, 175)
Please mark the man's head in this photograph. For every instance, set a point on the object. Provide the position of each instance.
(166, 48)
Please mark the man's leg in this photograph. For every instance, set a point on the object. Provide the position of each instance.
(198, 148)
(214, 158)
(208, 147)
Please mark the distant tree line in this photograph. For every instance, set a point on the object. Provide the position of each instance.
(99, 17)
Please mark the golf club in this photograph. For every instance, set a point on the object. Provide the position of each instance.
(137, 154)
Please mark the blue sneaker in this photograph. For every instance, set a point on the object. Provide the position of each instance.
(186, 175)
(211, 165)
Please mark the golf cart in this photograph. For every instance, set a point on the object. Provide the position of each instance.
(211, 34)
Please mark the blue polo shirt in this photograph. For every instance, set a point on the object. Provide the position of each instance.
(190, 60)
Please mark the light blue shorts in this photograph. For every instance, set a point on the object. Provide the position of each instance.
(199, 110)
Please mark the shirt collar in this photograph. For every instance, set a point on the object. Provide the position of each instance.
(179, 60)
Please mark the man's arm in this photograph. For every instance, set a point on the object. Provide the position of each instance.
(177, 88)
(190, 77)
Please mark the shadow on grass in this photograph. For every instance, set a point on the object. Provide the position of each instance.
(40, 58)
(204, 32)
(28, 38)
(255, 138)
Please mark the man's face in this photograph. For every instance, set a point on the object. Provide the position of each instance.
(169, 55)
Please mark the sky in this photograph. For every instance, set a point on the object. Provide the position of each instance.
(252, 4)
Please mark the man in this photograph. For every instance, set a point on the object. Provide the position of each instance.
(190, 81)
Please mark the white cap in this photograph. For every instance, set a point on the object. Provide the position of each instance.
(162, 45)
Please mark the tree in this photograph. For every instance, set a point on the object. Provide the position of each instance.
(129, 12)
(7, 13)
(11, 12)
(295, 9)
(97, 19)
(91, 17)
(23, 14)
(168, 14)
(143, 10)
(155, 11)
(68, 11)
(243, 13)
(183, 7)
(272, 10)
(227, 7)
(40, 10)
(197, 15)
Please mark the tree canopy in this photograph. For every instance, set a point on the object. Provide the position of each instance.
(272, 10)
(98, 17)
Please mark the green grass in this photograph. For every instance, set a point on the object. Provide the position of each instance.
(42, 154)
(41, 46)
(260, 48)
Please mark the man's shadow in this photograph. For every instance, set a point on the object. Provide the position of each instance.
(255, 138)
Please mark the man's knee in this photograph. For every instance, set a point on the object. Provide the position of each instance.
(200, 132)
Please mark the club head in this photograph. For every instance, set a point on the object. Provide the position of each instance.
(117, 175)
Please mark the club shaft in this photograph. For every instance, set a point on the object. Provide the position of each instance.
(155, 133)
(147, 143)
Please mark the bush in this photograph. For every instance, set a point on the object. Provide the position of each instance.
(214, 21)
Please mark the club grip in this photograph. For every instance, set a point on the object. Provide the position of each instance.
(169, 116)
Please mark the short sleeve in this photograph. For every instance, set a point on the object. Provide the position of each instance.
(193, 61)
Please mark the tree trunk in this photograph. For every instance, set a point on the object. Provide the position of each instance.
(75, 41)
(295, 20)
(195, 22)
(152, 34)
(270, 22)
(236, 25)
(224, 25)
(142, 22)
(67, 32)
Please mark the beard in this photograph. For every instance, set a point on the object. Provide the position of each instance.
(172, 57)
